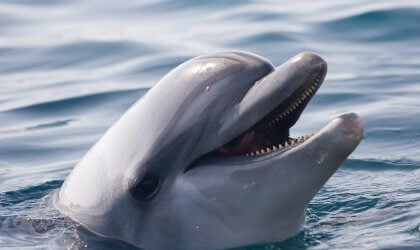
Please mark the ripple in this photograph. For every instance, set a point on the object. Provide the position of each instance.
(82, 54)
(382, 164)
(38, 2)
(48, 125)
(165, 5)
(29, 193)
(400, 24)
(78, 102)
(265, 37)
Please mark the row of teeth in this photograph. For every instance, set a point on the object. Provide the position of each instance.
(288, 143)
(289, 110)
(296, 104)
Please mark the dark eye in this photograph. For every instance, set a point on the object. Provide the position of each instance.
(146, 188)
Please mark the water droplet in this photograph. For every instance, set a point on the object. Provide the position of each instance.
(207, 88)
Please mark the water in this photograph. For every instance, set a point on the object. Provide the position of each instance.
(69, 69)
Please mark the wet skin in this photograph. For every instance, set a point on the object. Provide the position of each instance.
(205, 159)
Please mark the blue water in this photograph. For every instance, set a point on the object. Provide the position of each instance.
(69, 69)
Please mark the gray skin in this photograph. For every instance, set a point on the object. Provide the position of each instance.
(220, 200)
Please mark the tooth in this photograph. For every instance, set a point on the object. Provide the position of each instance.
(268, 150)
(280, 146)
(275, 148)
(257, 152)
(252, 153)
(262, 151)
(286, 144)
(247, 154)
(277, 119)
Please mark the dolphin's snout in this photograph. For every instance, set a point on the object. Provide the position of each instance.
(352, 125)
(348, 131)
(310, 59)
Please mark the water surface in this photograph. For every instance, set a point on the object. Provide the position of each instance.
(69, 69)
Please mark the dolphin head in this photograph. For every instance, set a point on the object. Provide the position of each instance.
(205, 159)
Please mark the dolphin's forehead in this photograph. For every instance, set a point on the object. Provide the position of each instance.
(197, 94)
(238, 57)
(212, 80)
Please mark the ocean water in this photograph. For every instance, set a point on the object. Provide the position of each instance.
(69, 69)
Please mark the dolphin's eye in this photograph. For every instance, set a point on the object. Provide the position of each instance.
(146, 188)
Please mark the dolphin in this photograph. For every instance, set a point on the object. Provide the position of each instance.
(205, 159)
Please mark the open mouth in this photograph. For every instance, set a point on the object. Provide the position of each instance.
(271, 133)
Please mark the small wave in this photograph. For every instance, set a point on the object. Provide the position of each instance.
(79, 102)
(28, 193)
(41, 126)
(379, 164)
(375, 26)
(38, 2)
(265, 37)
(165, 5)
(81, 54)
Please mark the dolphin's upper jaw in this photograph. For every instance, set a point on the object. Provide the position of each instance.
(271, 133)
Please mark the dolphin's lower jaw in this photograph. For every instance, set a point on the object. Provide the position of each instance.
(294, 175)
(205, 159)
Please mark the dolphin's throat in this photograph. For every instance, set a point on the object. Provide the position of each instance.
(272, 132)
